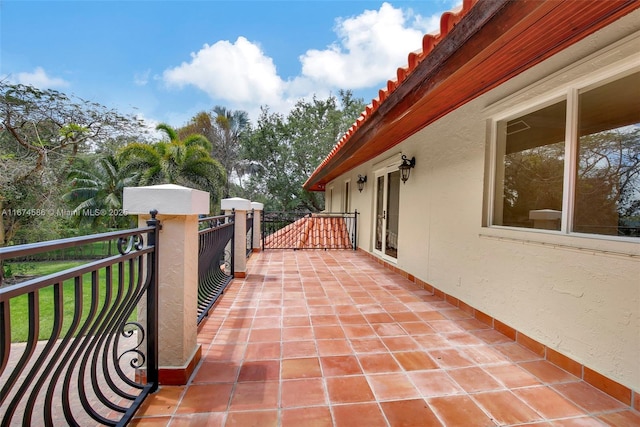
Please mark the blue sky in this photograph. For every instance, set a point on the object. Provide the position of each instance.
(167, 60)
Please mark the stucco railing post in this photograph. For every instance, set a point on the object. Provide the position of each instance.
(240, 206)
(178, 209)
(257, 225)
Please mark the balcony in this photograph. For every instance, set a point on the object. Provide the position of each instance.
(298, 338)
(333, 338)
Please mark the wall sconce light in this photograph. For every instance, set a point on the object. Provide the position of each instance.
(361, 180)
(406, 166)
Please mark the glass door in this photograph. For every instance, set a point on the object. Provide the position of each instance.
(381, 214)
(387, 213)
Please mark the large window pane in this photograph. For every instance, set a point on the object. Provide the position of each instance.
(607, 199)
(530, 169)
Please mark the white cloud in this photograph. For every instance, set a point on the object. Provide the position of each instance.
(238, 72)
(368, 50)
(39, 78)
(372, 46)
(428, 24)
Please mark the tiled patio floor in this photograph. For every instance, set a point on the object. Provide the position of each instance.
(331, 338)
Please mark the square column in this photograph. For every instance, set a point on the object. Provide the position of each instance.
(257, 225)
(240, 206)
(178, 209)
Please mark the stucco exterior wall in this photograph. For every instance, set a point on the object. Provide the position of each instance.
(577, 295)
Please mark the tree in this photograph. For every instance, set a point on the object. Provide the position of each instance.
(533, 179)
(41, 133)
(177, 161)
(608, 182)
(288, 149)
(97, 187)
(224, 129)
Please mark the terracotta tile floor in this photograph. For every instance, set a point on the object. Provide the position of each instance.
(331, 338)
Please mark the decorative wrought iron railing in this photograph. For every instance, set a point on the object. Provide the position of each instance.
(79, 347)
(250, 216)
(215, 260)
(303, 230)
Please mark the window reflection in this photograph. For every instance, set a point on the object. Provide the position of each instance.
(530, 178)
(607, 199)
(532, 169)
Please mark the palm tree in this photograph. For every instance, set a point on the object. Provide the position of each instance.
(185, 162)
(98, 188)
(246, 167)
(224, 128)
(229, 125)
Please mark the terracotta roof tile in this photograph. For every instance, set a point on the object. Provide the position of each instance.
(311, 233)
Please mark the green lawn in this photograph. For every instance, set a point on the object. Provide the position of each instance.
(93, 250)
(20, 309)
(41, 268)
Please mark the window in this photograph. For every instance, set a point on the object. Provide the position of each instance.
(573, 166)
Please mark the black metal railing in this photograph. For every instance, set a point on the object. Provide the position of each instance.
(79, 347)
(96, 250)
(250, 232)
(304, 230)
(215, 260)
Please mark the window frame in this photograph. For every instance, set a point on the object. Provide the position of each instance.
(569, 93)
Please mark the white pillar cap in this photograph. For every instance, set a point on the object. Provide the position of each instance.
(236, 203)
(257, 206)
(167, 199)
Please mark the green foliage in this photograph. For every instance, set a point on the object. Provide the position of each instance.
(42, 132)
(63, 154)
(288, 149)
(7, 271)
(225, 129)
(177, 161)
(95, 193)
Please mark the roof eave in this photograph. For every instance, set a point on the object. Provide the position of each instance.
(487, 32)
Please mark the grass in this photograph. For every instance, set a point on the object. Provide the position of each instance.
(41, 268)
(19, 307)
(93, 250)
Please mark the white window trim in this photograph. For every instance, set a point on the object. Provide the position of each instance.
(565, 238)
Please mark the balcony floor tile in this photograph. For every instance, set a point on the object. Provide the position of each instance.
(332, 338)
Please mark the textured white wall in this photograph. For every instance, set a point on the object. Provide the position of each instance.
(579, 296)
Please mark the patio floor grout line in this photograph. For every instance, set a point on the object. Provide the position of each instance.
(362, 287)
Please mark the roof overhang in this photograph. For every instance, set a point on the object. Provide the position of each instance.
(493, 41)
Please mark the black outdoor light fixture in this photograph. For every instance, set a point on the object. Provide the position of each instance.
(406, 166)
(361, 180)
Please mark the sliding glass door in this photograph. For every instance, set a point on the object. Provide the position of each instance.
(387, 213)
